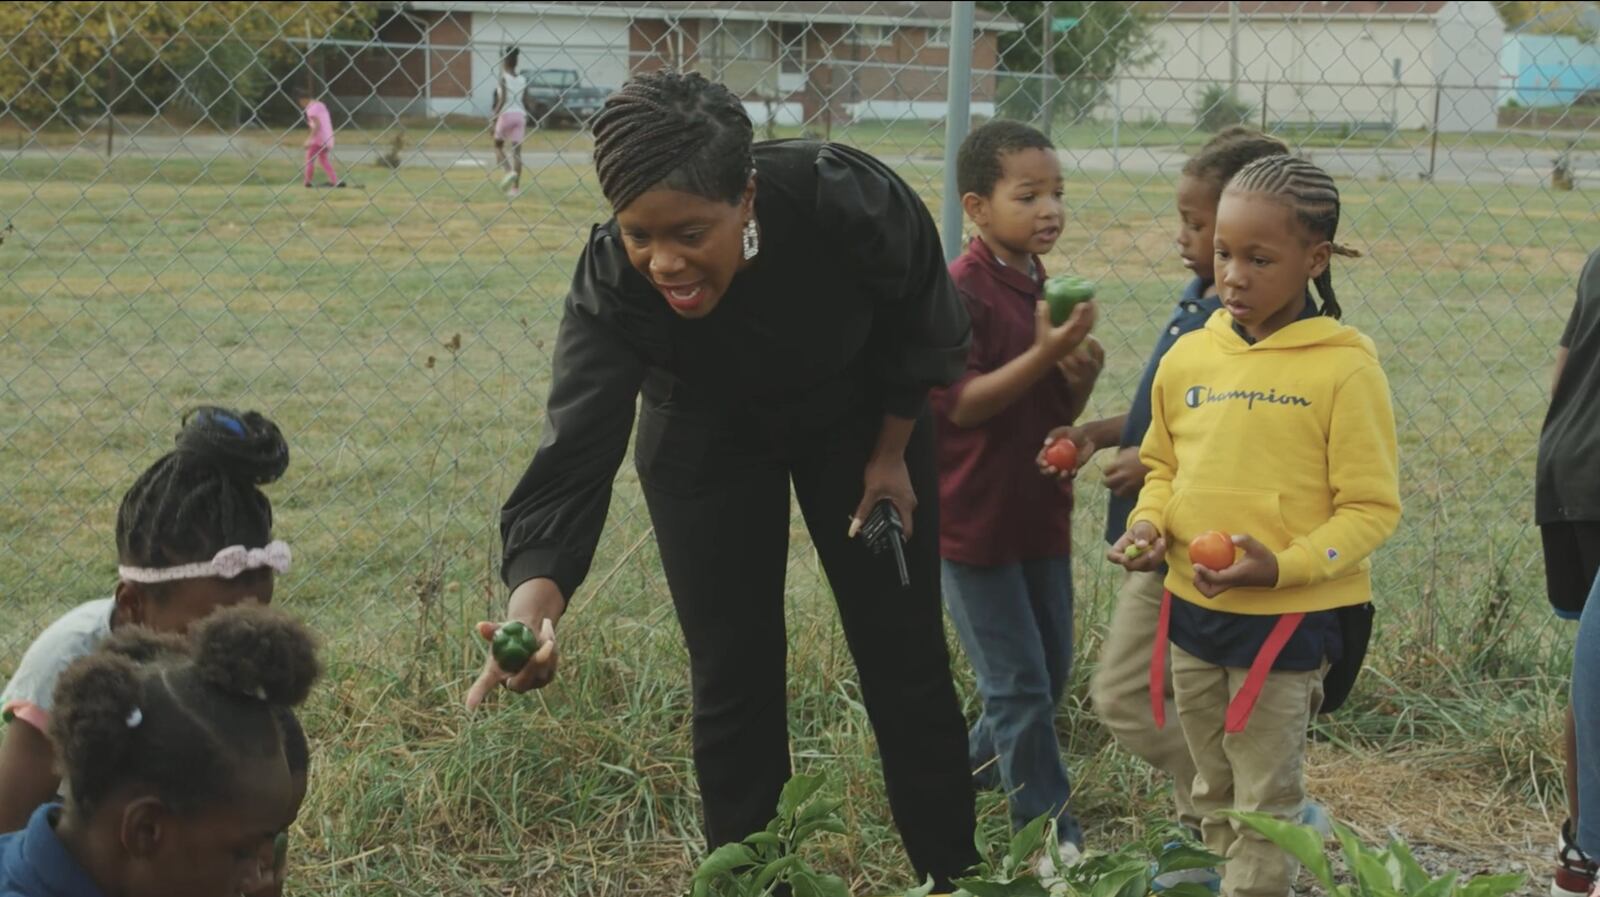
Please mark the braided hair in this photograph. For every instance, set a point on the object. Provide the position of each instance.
(203, 496)
(673, 130)
(183, 718)
(1311, 193)
(1229, 150)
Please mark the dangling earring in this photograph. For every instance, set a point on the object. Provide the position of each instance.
(752, 240)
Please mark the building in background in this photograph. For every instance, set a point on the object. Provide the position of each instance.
(1355, 65)
(791, 62)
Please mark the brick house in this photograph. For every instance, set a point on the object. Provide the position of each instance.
(792, 62)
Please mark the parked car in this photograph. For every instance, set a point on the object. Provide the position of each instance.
(559, 95)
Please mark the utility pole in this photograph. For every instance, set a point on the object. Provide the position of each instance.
(1233, 48)
(1047, 70)
(111, 78)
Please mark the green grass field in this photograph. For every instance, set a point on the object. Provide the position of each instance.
(131, 291)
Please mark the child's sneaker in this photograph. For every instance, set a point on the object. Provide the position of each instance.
(1210, 879)
(1071, 855)
(1315, 816)
(1312, 815)
(507, 178)
(1576, 874)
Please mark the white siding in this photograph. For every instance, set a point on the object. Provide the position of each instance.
(1467, 60)
(596, 47)
(1332, 71)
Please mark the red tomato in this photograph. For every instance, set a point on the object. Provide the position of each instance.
(1212, 550)
(1062, 455)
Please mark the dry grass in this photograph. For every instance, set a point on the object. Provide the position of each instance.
(132, 291)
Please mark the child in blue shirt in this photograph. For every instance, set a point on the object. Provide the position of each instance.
(177, 755)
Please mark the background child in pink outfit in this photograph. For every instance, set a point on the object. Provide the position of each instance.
(320, 142)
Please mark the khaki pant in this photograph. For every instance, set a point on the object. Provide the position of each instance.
(1120, 690)
(1259, 769)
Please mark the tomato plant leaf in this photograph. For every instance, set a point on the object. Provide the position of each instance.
(1188, 889)
(796, 792)
(1183, 857)
(1492, 885)
(1300, 842)
(806, 883)
(1404, 870)
(1026, 843)
(774, 869)
(804, 832)
(1122, 881)
(724, 860)
(1439, 887)
(978, 887)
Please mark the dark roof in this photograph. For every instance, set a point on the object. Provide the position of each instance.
(1307, 9)
(919, 13)
(866, 12)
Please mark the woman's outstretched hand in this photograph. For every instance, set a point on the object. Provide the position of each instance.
(538, 604)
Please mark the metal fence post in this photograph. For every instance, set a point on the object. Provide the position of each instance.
(1116, 125)
(958, 101)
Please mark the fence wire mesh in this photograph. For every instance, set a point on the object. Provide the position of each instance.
(159, 251)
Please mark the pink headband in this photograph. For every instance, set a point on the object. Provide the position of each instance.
(228, 563)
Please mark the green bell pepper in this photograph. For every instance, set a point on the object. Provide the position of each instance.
(1063, 293)
(513, 646)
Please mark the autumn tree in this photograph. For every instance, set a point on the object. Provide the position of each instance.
(217, 58)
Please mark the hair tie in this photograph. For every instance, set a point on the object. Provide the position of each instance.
(134, 718)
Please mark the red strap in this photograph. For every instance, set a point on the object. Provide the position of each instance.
(1158, 663)
(1244, 702)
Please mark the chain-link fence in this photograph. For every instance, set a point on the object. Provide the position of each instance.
(159, 250)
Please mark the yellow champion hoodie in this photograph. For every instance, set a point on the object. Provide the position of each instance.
(1290, 440)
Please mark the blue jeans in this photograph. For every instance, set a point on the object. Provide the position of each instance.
(1015, 623)
(1586, 720)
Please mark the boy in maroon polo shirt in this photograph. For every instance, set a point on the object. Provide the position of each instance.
(1005, 532)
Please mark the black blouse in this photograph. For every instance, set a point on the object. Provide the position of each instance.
(847, 303)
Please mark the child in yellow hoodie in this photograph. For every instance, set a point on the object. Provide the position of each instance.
(1272, 425)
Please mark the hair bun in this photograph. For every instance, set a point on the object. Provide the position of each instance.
(93, 701)
(143, 646)
(246, 446)
(258, 652)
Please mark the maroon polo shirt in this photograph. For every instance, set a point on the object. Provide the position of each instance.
(995, 507)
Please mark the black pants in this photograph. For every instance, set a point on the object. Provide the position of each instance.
(719, 499)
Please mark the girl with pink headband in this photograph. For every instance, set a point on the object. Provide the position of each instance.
(194, 533)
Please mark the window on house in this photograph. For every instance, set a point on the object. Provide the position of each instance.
(736, 41)
(792, 48)
(871, 35)
(938, 37)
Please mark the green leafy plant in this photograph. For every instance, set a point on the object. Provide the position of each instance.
(759, 864)
(1219, 108)
(1391, 872)
(767, 860)
(1127, 872)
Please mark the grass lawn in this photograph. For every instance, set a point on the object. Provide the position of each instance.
(130, 292)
